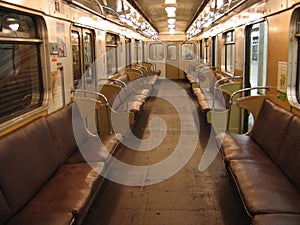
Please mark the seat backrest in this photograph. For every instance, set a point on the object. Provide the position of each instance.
(124, 78)
(133, 75)
(270, 128)
(289, 157)
(5, 210)
(27, 160)
(148, 65)
(110, 91)
(61, 127)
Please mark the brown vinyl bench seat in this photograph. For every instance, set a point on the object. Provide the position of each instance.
(264, 165)
(42, 179)
(216, 96)
(212, 90)
(127, 92)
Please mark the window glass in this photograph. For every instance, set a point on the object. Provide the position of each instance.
(138, 51)
(75, 41)
(156, 52)
(111, 58)
(143, 51)
(128, 51)
(229, 52)
(172, 52)
(256, 51)
(257, 35)
(111, 54)
(20, 79)
(292, 83)
(206, 51)
(298, 72)
(88, 57)
(229, 58)
(17, 25)
(298, 60)
(229, 36)
(201, 51)
(188, 51)
(111, 39)
(83, 56)
(214, 52)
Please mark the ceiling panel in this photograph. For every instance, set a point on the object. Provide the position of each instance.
(154, 10)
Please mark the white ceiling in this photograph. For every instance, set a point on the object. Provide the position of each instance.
(157, 16)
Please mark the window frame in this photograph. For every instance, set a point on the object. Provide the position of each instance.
(214, 52)
(172, 45)
(206, 55)
(22, 43)
(201, 50)
(226, 45)
(128, 52)
(161, 56)
(85, 53)
(293, 77)
(193, 55)
(113, 46)
(136, 49)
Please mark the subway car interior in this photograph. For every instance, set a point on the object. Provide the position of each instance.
(149, 112)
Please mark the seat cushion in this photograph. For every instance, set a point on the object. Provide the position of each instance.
(151, 80)
(23, 218)
(70, 189)
(237, 146)
(139, 98)
(96, 150)
(264, 188)
(276, 219)
(270, 128)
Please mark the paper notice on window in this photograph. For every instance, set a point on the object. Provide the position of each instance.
(281, 80)
(57, 96)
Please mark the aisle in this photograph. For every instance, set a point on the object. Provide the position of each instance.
(189, 197)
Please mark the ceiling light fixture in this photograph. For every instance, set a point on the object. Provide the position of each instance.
(168, 2)
(170, 10)
(171, 26)
(171, 20)
(172, 31)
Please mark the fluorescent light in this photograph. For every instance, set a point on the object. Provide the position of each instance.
(220, 3)
(167, 2)
(170, 10)
(198, 23)
(171, 26)
(172, 31)
(173, 14)
(171, 20)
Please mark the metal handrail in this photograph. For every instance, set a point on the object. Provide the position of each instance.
(100, 7)
(106, 104)
(78, 4)
(231, 102)
(111, 9)
(216, 87)
(136, 70)
(91, 92)
(118, 81)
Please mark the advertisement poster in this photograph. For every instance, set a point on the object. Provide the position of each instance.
(281, 80)
(61, 40)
